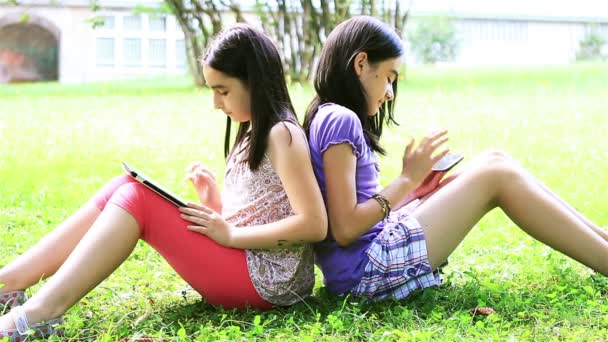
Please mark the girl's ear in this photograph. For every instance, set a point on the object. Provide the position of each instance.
(360, 62)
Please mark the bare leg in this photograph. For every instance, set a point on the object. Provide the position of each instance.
(566, 205)
(479, 161)
(104, 247)
(449, 214)
(601, 232)
(44, 258)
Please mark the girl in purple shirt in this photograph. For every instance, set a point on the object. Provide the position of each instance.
(378, 248)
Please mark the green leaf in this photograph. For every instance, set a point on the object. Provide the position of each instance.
(181, 333)
(589, 290)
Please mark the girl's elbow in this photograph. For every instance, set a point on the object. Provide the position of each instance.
(343, 242)
(321, 227)
(342, 238)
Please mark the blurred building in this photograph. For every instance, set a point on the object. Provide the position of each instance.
(518, 31)
(56, 40)
(42, 40)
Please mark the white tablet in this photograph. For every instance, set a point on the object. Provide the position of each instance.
(145, 180)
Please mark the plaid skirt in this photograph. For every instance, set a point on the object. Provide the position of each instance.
(398, 263)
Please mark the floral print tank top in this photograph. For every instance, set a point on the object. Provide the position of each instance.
(282, 276)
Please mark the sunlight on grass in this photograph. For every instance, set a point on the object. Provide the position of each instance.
(60, 143)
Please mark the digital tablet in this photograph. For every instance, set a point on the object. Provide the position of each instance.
(145, 180)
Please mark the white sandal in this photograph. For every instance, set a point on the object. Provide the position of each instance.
(12, 299)
(25, 331)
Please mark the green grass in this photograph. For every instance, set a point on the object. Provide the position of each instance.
(59, 143)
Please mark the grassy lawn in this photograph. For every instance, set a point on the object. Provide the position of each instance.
(59, 143)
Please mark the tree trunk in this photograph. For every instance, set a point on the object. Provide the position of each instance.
(200, 20)
(401, 20)
(299, 27)
(294, 38)
(192, 43)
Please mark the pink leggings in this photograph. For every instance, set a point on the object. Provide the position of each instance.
(218, 273)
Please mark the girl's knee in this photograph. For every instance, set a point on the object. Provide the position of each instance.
(499, 167)
(118, 181)
(101, 198)
(497, 159)
(133, 198)
(495, 156)
(492, 167)
(131, 192)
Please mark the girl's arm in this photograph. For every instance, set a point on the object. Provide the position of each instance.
(291, 160)
(347, 218)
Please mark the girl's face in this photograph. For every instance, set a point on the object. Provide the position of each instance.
(229, 94)
(377, 80)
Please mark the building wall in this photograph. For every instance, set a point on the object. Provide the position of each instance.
(83, 56)
(141, 45)
(518, 42)
(130, 46)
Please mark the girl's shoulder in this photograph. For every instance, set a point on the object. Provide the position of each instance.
(331, 112)
(285, 132)
(335, 120)
(288, 137)
(334, 124)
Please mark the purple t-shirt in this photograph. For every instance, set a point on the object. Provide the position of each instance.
(333, 124)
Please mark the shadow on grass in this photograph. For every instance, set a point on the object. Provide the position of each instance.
(520, 303)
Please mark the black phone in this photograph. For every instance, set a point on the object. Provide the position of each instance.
(145, 180)
(447, 162)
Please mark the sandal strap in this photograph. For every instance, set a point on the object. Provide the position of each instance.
(20, 318)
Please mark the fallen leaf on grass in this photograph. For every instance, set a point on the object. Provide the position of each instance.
(482, 311)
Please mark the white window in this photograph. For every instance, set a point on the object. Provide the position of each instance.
(493, 30)
(158, 23)
(108, 22)
(157, 53)
(599, 29)
(104, 50)
(132, 23)
(180, 54)
(132, 52)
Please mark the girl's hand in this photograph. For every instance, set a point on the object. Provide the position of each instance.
(417, 162)
(205, 186)
(208, 222)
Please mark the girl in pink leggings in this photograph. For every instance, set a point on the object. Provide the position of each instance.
(245, 247)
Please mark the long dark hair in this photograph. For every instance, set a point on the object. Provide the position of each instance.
(335, 79)
(249, 55)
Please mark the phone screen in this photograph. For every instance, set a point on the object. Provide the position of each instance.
(447, 162)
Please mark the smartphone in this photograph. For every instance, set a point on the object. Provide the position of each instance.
(149, 183)
(447, 162)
